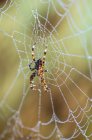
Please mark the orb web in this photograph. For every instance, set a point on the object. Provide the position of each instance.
(65, 112)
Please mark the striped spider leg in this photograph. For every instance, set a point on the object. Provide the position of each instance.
(32, 69)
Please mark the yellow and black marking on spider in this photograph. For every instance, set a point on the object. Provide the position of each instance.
(38, 70)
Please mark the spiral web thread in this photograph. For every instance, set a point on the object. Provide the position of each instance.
(60, 75)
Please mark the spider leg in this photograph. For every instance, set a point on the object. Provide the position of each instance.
(45, 51)
(31, 80)
(43, 82)
(45, 70)
(30, 67)
(33, 54)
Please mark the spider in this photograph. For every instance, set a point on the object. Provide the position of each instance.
(38, 70)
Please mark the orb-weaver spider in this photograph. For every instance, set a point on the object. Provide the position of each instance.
(38, 70)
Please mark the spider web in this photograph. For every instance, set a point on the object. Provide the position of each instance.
(65, 28)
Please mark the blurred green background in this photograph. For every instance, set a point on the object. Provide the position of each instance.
(67, 32)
